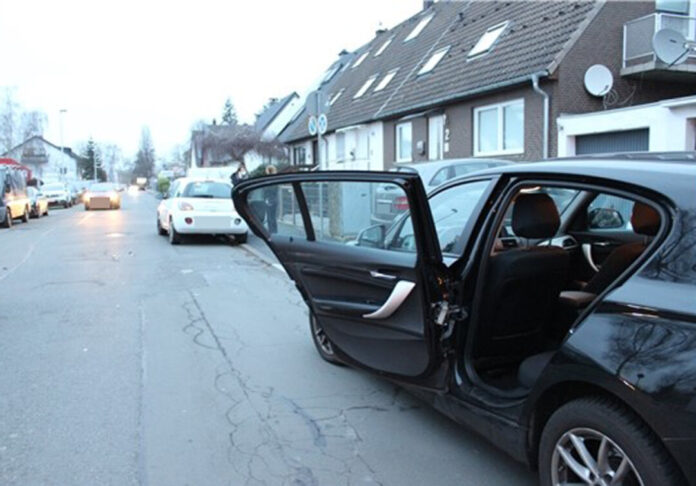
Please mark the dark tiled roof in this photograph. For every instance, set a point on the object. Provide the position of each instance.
(537, 33)
(267, 116)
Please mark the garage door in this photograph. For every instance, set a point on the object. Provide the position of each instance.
(602, 143)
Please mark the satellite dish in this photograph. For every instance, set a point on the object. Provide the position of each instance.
(598, 80)
(670, 46)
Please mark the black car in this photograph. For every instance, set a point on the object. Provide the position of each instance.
(551, 307)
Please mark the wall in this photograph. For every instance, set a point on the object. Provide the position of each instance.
(367, 157)
(671, 125)
(460, 125)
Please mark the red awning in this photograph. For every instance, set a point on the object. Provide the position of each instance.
(16, 165)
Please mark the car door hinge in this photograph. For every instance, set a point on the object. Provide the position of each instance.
(446, 313)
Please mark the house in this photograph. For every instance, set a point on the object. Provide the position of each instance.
(491, 79)
(269, 123)
(46, 160)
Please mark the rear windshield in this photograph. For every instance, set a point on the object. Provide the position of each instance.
(217, 190)
(102, 187)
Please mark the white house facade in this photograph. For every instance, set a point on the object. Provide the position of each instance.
(46, 160)
(668, 125)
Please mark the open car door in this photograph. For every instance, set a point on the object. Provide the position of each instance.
(376, 287)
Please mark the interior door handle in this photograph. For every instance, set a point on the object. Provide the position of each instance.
(383, 276)
(602, 243)
(401, 290)
(587, 252)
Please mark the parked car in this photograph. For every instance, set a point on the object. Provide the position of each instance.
(546, 323)
(39, 202)
(16, 203)
(102, 195)
(433, 174)
(77, 191)
(199, 206)
(58, 194)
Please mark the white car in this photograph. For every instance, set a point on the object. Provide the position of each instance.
(199, 206)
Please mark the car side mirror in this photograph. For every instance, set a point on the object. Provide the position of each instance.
(605, 218)
(162, 195)
(372, 236)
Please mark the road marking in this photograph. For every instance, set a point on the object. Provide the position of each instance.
(27, 255)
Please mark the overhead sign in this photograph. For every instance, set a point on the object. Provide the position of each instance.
(312, 125)
(323, 124)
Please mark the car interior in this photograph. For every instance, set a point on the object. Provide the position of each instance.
(557, 249)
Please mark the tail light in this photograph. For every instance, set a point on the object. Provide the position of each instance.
(400, 203)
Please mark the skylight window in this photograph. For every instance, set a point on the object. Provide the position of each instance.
(384, 46)
(433, 61)
(363, 89)
(487, 40)
(361, 59)
(419, 28)
(335, 97)
(330, 73)
(386, 80)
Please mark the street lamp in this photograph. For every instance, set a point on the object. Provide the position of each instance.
(62, 112)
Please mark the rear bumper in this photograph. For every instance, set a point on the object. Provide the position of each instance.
(101, 203)
(57, 200)
(209, 223)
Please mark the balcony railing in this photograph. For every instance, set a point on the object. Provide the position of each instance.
(638, 35)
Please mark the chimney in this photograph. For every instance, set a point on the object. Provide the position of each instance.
(427, 4)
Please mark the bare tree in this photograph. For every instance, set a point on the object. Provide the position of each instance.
(9, 109)
(111, 159)
(32, 123)
(235, 141)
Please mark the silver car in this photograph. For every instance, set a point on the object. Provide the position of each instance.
(388, 204)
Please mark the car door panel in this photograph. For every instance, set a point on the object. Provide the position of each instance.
(348, 287)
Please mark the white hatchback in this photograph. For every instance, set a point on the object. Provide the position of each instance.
(199, 206)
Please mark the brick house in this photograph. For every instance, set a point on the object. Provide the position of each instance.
(489, 79)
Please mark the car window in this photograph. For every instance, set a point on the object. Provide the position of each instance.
(561, 196)
(440, 177)
(208, 189)
(451, 210)
(609, 212)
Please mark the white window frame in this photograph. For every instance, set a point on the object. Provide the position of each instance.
(500, 107)
(437, 121)
(397, 138)
(475, 53)
(386, 80)
(433, 61)
(419, 28)
(360, 60)
(366, 86)
(384, 46)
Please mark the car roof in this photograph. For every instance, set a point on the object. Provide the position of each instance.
(428, 169)
(672, 174)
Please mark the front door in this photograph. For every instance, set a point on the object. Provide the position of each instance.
(374, 288)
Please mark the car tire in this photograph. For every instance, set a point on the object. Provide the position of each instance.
(240, 239)
(160, 231)
(174, 236)
(25, 216)
(86, 207)
(66, 205)
(322, 342)
(8, 219)
(590, 422)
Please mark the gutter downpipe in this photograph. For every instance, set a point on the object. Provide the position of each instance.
(545, 95)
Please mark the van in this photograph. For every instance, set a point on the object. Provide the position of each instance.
(15, 201)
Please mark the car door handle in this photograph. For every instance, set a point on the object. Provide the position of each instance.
(587, 253)
(399, 293)
(602, 243)
(383, 276)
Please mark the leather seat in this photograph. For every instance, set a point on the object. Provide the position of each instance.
(522, 285)
(645, 221)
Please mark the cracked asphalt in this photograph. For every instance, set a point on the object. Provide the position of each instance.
(125, 360)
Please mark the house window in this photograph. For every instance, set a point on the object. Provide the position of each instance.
(384, 46)
(361, 59)
(672, 6)
(433, 61)
(499, 129)
(404, 145)
(299, 155)
(365, 86)
(386, 80)
(335, 97)
(487, 40)
(340, 147)
(419, 28)
(436, 126)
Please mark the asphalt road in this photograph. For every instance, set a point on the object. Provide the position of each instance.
(125, 360)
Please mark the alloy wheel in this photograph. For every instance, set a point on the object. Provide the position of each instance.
(586, 456)
(321, 338)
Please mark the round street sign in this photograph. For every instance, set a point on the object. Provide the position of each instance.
(322, 123)
(312, 125)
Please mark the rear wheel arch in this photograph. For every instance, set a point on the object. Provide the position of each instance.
(558, 395)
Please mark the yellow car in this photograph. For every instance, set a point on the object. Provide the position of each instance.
(103, 195)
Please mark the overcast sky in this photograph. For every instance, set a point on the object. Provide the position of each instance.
(119, 65)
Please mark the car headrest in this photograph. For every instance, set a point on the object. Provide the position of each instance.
(535, 216)
(644, 219)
